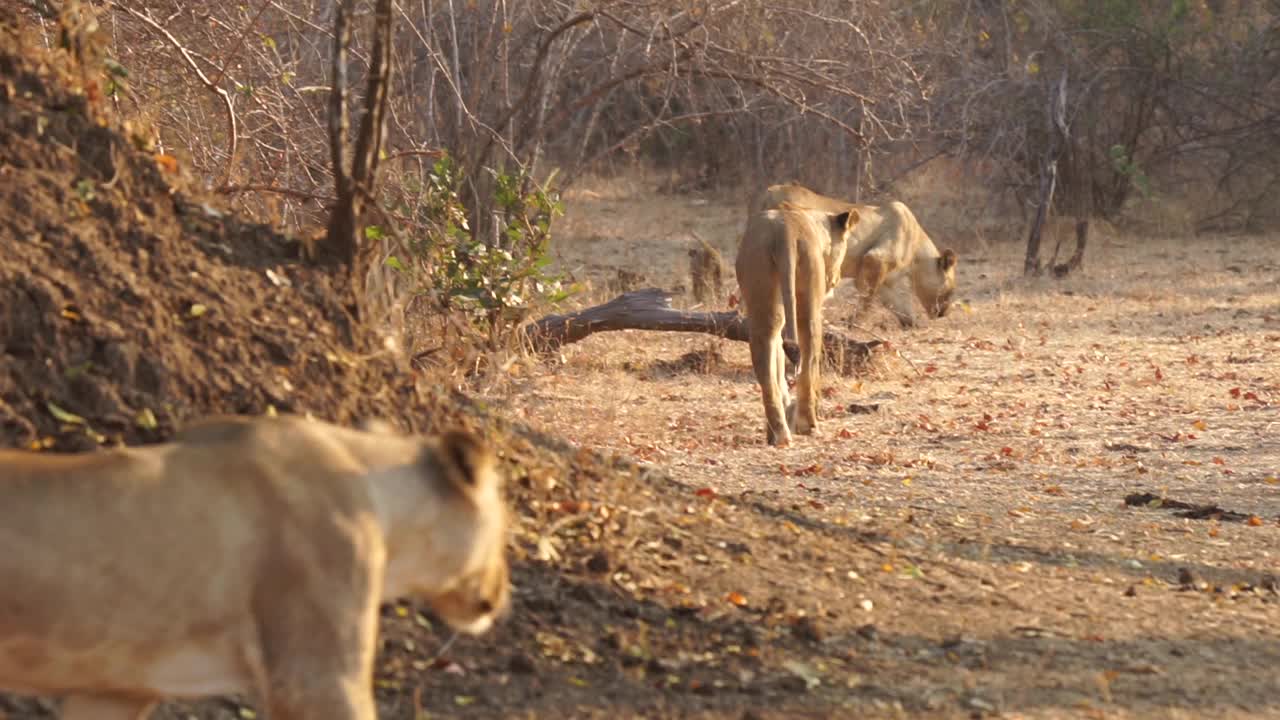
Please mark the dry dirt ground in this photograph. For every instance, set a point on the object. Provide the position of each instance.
(962, 549)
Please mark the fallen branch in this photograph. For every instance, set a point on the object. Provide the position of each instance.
(896, 351)
(1187, 510)
(650, 309)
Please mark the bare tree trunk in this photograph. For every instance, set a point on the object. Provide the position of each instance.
(1081, 206)
(1085, 211)
(1082, 236)
(650, 309)
(1048, 181)
(1059, 137)
(354, 182)
(342, 218)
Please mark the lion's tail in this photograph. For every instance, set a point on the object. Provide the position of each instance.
(785, 260)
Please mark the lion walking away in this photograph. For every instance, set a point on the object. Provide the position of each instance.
(788, 263)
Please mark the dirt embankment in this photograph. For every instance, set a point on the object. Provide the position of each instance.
(130, 304)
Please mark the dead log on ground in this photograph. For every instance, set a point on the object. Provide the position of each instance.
(650, 309)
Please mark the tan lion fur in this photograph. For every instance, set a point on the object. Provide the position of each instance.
(890, 256)
(248, 555)
(788, 263)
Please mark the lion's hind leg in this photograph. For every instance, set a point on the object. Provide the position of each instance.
(803, 415)
(766, 361)
(809, 335)
(784, 392)
(765, 319)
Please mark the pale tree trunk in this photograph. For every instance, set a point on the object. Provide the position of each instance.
(1059, 137)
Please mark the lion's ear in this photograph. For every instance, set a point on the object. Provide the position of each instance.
(845, 221)
(947, 260)
(466, 461)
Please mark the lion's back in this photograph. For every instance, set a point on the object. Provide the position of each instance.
(897, 238)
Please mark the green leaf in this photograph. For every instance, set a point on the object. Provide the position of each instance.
(394, 263)
(146, 419)
(372, 232)
(64, 416)
(76, 371)
(116, 68)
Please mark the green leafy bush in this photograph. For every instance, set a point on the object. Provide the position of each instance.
(1124, 165)
(494, 284)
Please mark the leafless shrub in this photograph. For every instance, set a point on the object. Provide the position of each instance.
(1173, 99)
(1162, 98)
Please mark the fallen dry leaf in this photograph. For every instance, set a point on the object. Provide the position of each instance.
(168, 163)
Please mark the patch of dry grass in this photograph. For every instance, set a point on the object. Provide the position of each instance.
(1011, 408)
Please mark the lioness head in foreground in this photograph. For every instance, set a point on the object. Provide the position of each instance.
(247, 555)
(481, 593)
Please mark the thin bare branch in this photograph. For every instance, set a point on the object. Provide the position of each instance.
(189, 59)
